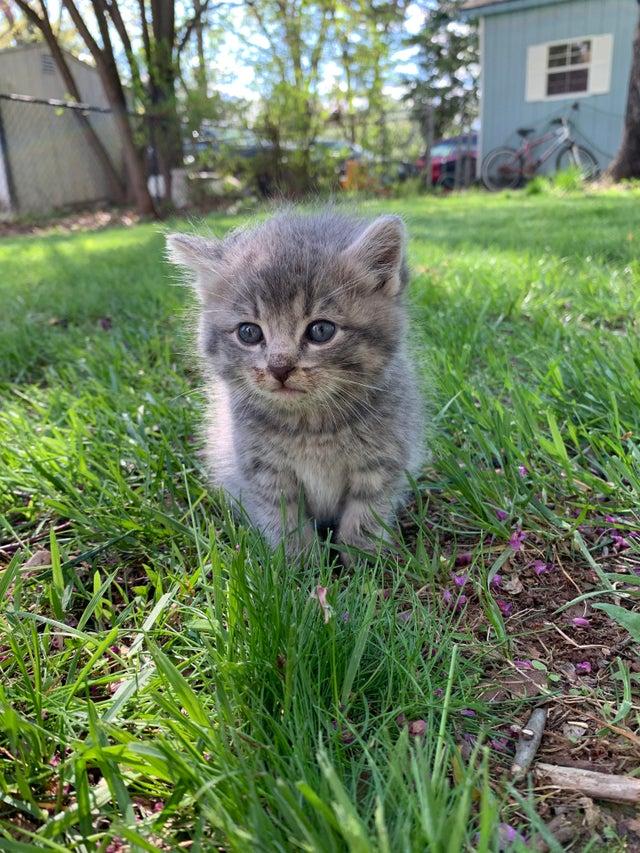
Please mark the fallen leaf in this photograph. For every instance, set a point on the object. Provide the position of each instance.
(320, 595)
(525, 684)
(41, 557)
(513, 585)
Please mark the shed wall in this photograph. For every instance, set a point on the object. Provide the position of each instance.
(51, 164)
(506, 38)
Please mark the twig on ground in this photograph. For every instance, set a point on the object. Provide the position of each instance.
(598, 786)
(528, 742)
(9, 547)
(619, 730)
(573, 642)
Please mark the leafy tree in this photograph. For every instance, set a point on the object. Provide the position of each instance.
(444, 92)
(294, 37)
(366, 35)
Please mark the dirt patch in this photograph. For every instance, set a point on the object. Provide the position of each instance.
(87, 220)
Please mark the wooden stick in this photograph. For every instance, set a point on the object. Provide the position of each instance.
(528, 742)
(598, 786)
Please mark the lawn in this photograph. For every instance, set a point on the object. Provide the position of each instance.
(168, 683)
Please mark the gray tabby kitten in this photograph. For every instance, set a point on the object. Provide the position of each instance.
(314, 403)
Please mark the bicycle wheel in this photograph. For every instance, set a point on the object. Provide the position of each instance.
(575, 156)
(502, 169)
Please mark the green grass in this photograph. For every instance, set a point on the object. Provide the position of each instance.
(166, 679)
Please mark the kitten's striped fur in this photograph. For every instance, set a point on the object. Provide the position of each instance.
(343, 444)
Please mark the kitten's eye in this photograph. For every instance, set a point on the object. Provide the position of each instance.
(250, 333)
(320, 331)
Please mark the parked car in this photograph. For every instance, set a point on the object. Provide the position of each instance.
(451, 158)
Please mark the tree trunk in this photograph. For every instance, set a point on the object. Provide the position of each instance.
(132, 157)
(162, 85)
(627, 162)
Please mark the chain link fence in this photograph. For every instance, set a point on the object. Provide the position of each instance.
(49, 155)
(57, 156)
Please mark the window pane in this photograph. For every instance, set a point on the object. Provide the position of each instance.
(444, 149)
(578, 80)
(580, 52)
(558, 55)
(567, 82)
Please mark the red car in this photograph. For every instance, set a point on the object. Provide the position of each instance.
(446, 153)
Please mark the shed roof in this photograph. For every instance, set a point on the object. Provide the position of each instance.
(491, 7)
(476, 4)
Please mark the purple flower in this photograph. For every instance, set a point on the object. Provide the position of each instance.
(346, 616)
(502, 515)
(463, 559)
(584, 667)
(507, 835)
(496, 580)
(468, 712)
(506, 608)
(516, 539)
(417, 727)
(439, 692)
(611, 519)
(404, 616)
(540, 567)
(401, 720)
(500, 744)
(523, 664)
(581, 622)
(619, 542)
(523, 470)
(460, 580)
(458, 602)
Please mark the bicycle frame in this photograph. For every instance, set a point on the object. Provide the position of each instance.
(558, 139)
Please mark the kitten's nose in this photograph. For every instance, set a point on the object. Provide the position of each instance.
(280, 371)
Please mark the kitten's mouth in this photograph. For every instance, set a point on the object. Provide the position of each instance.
(285, 391)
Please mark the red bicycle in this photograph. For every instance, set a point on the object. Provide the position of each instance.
(508, 168)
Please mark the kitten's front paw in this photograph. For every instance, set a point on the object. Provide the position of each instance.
(299, 542)
(354, 542)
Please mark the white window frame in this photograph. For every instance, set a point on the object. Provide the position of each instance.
(564, 69)
(598, 42)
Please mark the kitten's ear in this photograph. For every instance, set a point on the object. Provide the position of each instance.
(380, 249)
(199, 256)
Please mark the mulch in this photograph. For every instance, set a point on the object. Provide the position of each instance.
(563, 654)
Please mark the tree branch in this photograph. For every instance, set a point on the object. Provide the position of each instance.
(191, 24)
(114, 13)
(265, 32)
(91, 43)
(145, 32)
